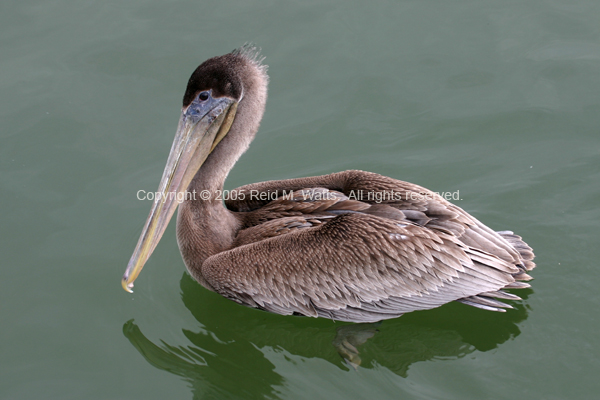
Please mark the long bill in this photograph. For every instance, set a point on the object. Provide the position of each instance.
(201, 127)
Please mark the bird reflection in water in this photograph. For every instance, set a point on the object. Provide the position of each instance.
(221, 352)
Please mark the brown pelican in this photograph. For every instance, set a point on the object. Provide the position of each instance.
(351, 246)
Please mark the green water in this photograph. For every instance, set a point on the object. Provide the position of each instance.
(499, 100)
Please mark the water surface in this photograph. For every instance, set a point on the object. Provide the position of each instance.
(496, 99)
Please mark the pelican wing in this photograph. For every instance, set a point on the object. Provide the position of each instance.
(356, 267)
(418, 204)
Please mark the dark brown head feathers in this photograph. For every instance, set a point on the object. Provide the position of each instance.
(224, 74)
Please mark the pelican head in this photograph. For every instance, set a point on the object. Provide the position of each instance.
(210, 105)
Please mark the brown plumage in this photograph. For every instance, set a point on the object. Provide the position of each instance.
(322, 246)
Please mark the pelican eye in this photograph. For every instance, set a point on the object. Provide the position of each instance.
(203, 96)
